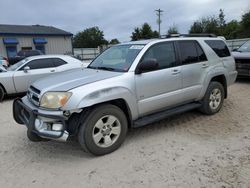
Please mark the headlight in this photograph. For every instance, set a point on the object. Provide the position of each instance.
(55, 100)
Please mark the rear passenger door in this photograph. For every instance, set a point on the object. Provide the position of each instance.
(194, 67)
(161, 88)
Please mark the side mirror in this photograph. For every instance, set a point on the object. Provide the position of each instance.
(26, 69)
(146, 66)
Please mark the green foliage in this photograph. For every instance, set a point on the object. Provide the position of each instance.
(205, 25)
(231, 30)
(219, 26)
(89, 38)
(222, 21)
(172, 30)
(145, 32)
(245, 24)
(114, 41)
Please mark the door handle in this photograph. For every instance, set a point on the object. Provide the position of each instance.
(205, 65)
(175, 71)
(52, 70)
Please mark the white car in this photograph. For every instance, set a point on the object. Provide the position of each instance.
(18, 77)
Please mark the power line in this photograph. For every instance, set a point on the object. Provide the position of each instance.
(159, 13)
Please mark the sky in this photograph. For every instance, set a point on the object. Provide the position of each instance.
(116, 18)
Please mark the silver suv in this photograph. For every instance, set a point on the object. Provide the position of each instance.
(128, 85)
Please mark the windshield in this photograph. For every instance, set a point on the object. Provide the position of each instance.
(117, 58)
(17, 65)
(245, 47)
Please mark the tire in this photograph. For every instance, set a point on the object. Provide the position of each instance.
(213, 99)
(34, 137)
(103, 130)
(2, 93)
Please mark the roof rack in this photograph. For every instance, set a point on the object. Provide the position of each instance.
(188, 35)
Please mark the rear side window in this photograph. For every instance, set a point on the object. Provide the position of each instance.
(201, 55)
(219, 47)
(58, 62)
(191, 52)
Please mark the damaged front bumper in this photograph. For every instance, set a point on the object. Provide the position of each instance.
(50, 125)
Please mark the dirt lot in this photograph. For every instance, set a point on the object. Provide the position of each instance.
(190, 150)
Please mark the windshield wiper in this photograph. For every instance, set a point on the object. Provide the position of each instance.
(103, 68)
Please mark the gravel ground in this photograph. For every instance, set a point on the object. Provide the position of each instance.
(189, 150)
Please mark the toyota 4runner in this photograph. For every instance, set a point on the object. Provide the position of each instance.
(129, 85)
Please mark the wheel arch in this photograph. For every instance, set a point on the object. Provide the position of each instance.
(221, 79)
(76, 118)
(1, 85)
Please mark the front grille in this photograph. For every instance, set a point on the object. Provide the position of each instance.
(33, 95)
(242, 63)
(35, 90)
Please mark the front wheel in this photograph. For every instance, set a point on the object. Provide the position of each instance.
(213, 99)
(1, 93)
(103, 130)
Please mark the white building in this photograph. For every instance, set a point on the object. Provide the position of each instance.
(49, 40)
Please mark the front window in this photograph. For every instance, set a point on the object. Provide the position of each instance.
(117, 58)
(245, 47)
(17, 65)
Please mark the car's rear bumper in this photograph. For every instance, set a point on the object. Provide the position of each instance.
(44, 125)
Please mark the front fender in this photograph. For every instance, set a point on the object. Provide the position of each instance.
(109, 94)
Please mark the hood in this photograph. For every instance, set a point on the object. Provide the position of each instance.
(241, 55)
(71, 79)
(2, 69)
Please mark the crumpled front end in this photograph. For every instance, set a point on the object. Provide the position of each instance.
(46, 124)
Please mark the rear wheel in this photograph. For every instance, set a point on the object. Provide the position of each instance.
(213, 99)
(2, 93)
(103, 130)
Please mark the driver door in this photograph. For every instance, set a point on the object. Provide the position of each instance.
(39, 68)
(159, 89)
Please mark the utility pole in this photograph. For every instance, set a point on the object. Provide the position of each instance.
(159, 13)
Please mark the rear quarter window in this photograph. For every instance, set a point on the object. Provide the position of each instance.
(58, 62)
(219, 47)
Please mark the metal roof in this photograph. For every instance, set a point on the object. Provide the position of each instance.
(32, 30)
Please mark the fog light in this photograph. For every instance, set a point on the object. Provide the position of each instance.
(57, 127)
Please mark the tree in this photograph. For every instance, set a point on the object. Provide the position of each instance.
(245, 24)
(172, 30)
(136, 35)
(231, 30)
(114, 41)
(205, 25)
(145, 32)
(219, 26)
(222, 21)
(89, 38)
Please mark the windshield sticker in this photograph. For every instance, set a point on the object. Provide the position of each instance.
(136, 47)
